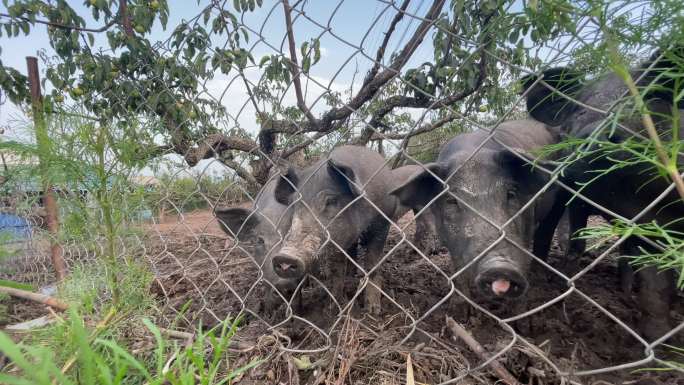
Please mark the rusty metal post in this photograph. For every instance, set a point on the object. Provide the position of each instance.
(43, 143)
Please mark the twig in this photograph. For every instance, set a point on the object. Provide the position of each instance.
(36, 297)
(475, 346)
(381, 51)
(327, 123)
(292, 370)
(188, 337)
(409, 371)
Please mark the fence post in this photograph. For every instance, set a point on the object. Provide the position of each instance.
(43, 143)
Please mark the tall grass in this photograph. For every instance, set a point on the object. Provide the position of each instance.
(105, 361)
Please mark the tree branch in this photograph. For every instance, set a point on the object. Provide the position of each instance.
(239, 170)
(36, 297)
(287, 152)
(294, 65)
(63, 26)
(381, 50)
(327, 124)
(420, 130)
(125, 20)
(401, 101)
(215, 144)
(368, 91)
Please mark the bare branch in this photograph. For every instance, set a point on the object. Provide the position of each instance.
(475, 346)
(240, 171)
(327, 124)
(381, 50)
(368, 91)
(294, 65)
(401, 101)
(36, 297)
(215, 144)
(286, 153)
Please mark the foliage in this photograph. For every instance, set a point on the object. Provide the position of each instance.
(183, 194)
(672, 242)
(102, 360)
(87, 289)
(132, 81)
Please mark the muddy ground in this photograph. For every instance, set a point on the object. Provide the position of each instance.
(203, 277)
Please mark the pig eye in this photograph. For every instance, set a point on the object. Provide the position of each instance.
(330, 200)
(511, 194)
(450, 200)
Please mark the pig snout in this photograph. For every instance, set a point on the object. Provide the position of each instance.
(288, 266)
(501, 281)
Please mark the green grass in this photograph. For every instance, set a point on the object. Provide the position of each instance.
(102, 360)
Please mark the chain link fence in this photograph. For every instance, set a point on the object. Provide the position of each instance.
(352, 259)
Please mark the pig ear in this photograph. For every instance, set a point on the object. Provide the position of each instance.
(419, 189)
(547, 105)
(345, 177)
(286, 186)
(236, 221)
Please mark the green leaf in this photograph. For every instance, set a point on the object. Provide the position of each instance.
(207, 15)
(159, 351)
(85, 352)
(25, 27)
(120, 352)
(14, 353)
(317, 50)
(306, 64)
(304, 49)
(11, 380)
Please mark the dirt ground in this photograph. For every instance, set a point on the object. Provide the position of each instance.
(201, 277)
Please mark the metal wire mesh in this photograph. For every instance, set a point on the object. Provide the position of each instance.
(201, 273)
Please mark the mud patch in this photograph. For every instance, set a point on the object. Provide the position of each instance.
(201, 277)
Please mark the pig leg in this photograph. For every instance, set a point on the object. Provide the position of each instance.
(578, 215)
(543, 235)
(425, 237)
(376, 243)
(655, 295)
(655, 299)
(625, 270)
(339, 276)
